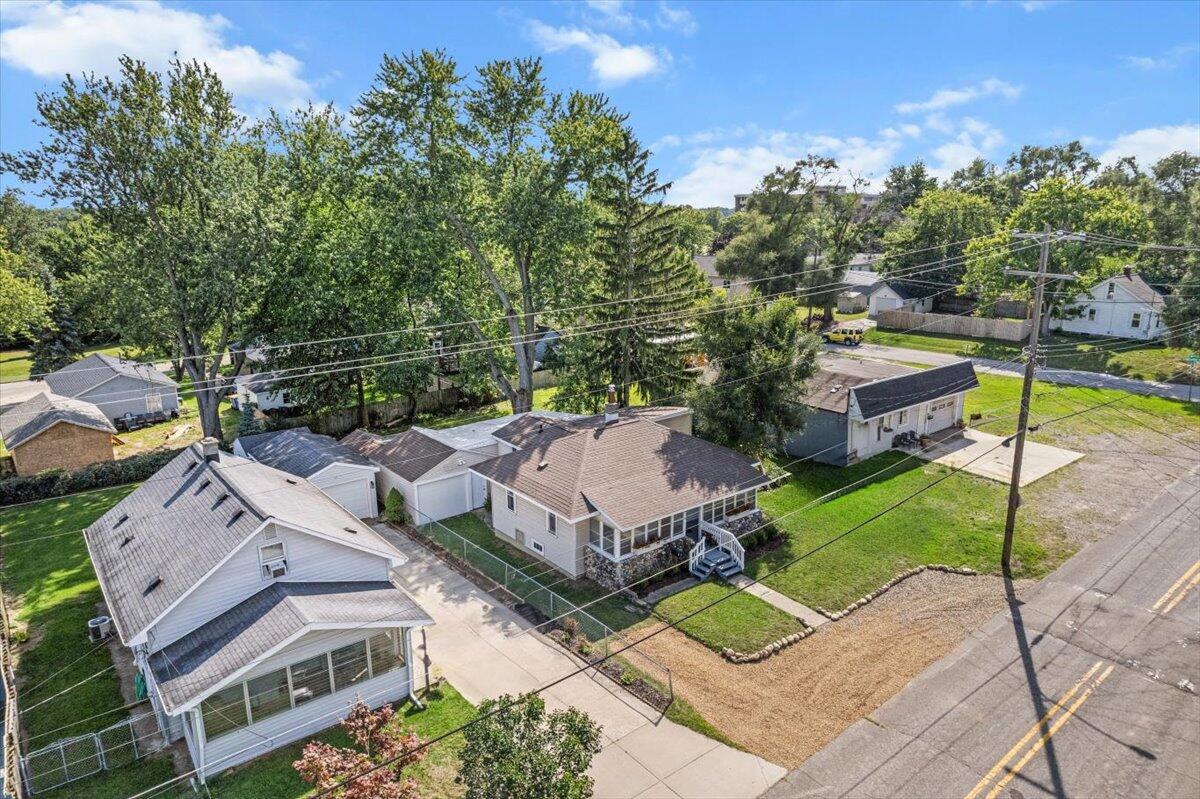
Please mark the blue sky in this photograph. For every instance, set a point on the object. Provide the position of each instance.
(722, 92)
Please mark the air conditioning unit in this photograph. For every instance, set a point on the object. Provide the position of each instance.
(275, 569)
(99, 628)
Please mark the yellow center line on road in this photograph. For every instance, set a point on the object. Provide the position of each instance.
(1038, 726)
(1181, 594)
(1058, 723)
(1183, 579)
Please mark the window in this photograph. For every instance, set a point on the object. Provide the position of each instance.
(626, 543)
(537, 546)
(310, 679)
(269, 695)
(385, 653)
(725, 284)
(879, 431)
(903, 417)
(224, 711)
(272, 558)
(1136, 321)
(1112, 289)
(153, 402)
(607, 538)
(551, 524)
(1091, 314)
(349, 665)
(594, 532)
(510, 501)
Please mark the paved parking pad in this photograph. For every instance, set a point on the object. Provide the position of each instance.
(960, 451)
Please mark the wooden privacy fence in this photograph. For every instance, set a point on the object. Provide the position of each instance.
(338, 423)
(971, 326)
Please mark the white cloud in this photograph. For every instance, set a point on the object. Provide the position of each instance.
(674, 18)
(911, 130)
(1036, 5)
(975, 139)
(611, 13)
(1150, 144)
(51, 39)
(948, 98)
(612, 62)
(714, 174)
(1171, 59)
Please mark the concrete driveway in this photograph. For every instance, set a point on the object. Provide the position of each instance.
(958, 450)
(486, 650)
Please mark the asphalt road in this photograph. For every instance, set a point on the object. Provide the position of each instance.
(1070, 377)
(1087, 688)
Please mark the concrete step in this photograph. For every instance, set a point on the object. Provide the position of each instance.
(729, 569)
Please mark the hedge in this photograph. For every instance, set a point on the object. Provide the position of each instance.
(59, 482)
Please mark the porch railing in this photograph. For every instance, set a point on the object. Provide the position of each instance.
(724, 540)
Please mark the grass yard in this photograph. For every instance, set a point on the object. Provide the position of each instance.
(16, 364)
(53, 591)
(999, 395)
(743, 622)
(1123, 358)
(959, 521)
(272, 775)
(611, 611)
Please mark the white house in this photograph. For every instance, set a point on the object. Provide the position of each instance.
(707, 264)
(893, 295)
(116, 386)
(257, 608)
(1125, 306)
(858, 408)
(343, 474)
(265, 390)
(431, 468)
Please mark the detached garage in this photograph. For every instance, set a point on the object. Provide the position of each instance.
(431, 474)
(344, 475)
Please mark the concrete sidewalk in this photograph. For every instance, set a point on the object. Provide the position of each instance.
(784, 603)
(486, 650)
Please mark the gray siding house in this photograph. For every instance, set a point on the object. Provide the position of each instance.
(116, 386)
(258, 609)
(857, 408)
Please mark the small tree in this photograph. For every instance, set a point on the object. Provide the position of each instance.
(249, 424)
(523, 752)
(57, 345)
(394, 509)
(379, 739)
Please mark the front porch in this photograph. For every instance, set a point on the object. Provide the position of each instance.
(718, 548)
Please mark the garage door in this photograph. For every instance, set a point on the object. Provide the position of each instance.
(943, 415)
(443, 498)
(356, 496)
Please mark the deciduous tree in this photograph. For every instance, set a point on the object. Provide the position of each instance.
(937, 227)
(378, 738)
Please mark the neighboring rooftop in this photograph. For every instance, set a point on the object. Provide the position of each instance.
(1136, 286)
(476, 434)
(924, 385)
(40, 412)
(252, 628)
(87, 373)
(633, 469)
(164, 537)
(829, 388)
(299, 451)
(409, 454)
(261, 382)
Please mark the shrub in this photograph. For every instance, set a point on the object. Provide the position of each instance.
(393, 508)
(571, 626)
(59, 482)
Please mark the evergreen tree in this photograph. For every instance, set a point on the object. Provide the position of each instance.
(56, 345)
(647, 284)
(249, 423)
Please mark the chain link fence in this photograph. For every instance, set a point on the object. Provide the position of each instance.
(70, 759)
(553, 605)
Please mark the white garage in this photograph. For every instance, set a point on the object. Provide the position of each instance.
(341, 473)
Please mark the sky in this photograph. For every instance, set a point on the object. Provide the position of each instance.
(721, 92)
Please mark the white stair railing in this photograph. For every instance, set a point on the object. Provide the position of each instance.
(696, 555)
(726, 541)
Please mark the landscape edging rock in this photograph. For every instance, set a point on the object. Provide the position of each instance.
(733, 656)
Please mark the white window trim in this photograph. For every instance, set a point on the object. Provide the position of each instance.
(537, 546)
(262, 564)
(510, 500)
(552, 523)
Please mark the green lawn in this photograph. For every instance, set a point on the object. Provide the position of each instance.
(742, 622)
(273, 776)
(52, 588)
(16, 364)
(612, 611)
(959, 522)
(1108, 356)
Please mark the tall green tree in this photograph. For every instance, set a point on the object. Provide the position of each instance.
(519, 751)
(644, 291)
(937, 227)
(761, 356)
(905, 184)
(982, 179)
(1029, 169)
(499, 166)
(57, 343)
(24, 303)
(168, 167)
(1067, 206)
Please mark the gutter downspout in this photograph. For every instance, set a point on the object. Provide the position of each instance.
(408, 659)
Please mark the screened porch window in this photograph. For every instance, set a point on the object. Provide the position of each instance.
(224, 711)
(269, 695)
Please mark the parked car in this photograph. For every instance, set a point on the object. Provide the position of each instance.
(843, 334)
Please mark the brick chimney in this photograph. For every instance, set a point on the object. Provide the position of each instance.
(208, 448)
(610, 405)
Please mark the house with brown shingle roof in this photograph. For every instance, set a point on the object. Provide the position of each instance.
(615, 496)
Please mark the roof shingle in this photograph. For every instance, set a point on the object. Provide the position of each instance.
(42, 411)
(299, 451)
(87, 373)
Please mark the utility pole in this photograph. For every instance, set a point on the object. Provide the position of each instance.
(1014, 488)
